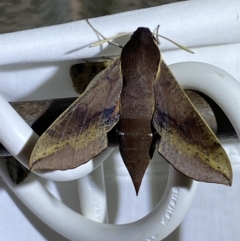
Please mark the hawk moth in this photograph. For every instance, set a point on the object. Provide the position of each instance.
(139, 95)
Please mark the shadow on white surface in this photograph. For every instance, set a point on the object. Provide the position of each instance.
(18, 222)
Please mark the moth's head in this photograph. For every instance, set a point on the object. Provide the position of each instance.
(143, 34)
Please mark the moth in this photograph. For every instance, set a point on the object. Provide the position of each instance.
(139, 96)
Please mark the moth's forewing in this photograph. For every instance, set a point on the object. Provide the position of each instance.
(80, 133)
(186, 140)
(83, 73)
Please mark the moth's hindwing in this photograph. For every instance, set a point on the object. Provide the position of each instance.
(82, 74)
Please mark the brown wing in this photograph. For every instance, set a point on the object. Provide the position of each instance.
(83, 73)
(80, 133)
(186, 140)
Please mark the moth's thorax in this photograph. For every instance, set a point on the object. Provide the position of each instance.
(139, 65)
(140, 58)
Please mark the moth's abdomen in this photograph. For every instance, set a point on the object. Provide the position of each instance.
(135, 144)
(134, 128)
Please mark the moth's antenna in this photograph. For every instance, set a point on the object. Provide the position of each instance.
(110, 42)
(105, 39)
(94, 29)
(177, 44)
(125, 33)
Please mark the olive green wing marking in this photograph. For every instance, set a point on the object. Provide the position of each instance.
(80, 133)
(186, 140)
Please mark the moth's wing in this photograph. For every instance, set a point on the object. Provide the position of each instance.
(82, 74)
(31, 111)
(17, 172)
(80, 133)
(186, 140)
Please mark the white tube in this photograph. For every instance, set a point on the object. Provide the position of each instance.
(15, 133)
(195, 23)
(180, 190)
(90, 188)
(158, 224)
(215, 83)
